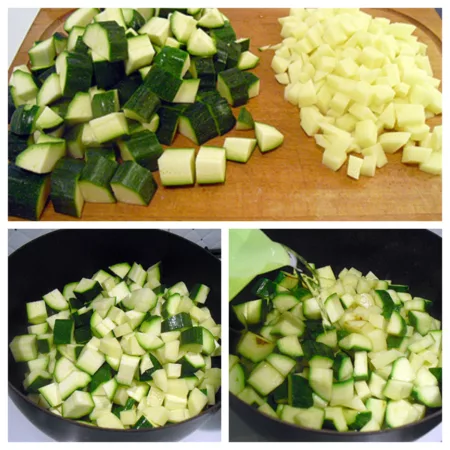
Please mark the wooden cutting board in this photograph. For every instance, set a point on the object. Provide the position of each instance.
(289, 183)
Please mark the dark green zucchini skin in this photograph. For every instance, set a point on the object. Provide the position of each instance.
(64, 183)
(80, 46)
(225, 33)
(137, 178)
(144, 102)
(118, 50)
(127, 86)
(164, 12)
(106, 152)
(169, 117)
(202, 122)
(44, 75)
(137, 21)
(223, 116)
(221, 57)
(238, 85)
(99, 171)
(79, 74)
(23, 119)
(234, 52)
(16, 144)
(104, 103)
(108, 74)
(164, 84)
(205, 71)
(171, 60)
(144, 148)
(26, 192)
(11, 105)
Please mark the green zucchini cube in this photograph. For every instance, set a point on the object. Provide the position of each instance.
(63, 331)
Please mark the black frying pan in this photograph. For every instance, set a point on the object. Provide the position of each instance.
(58, 258)
(412, 257)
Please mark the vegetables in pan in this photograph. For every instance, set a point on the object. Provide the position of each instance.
(364, 86)
(121, 350)
(124, 79)
(347, 353)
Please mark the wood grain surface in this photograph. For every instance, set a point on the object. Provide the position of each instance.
(289, 183)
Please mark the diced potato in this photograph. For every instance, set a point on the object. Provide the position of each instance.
(387, 118)
(310, 117)
(282, 78)
(362, 112)
(369, 166)
(416, 155)
(291, 92)
(377, 151)
(433, 165)
(321, 140)
(436, 138)
(366, 133)
(409, 114)
(347, 122)
(371, 57)
(333, 160)
(339, 103)
(279, 65)
(307, 94)
(393, 141)
(418, 132)
(346, 67)
(354, 167)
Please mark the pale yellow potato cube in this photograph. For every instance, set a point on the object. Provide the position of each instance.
(369, 166)
(418, 132)
(307, 94)
(435, 105)
(347, 122)
(400, 30)
(377, 151)
(436, 138)
(314, 35)
(354, 167)
(310, 117)
(303, 46)
(362, 112)
(326, 63)
(334, 34)
(415, 76)
(366, 133)
(416, 155)
(324, 96)
(409, 114)
(333, 160)
(392, 72)
(371, 57)
(295, 70)
(426, 142)
(350, 52)
(387, 45)
(402, 89)
(433, 165)
(283, 52)
(329, 129)
(324, 50)
(382, 94)
(346, 67)
(289, 42)
(279, 65)
(420, 95)
(368, 75)
(321, 140)
(340, 143)
(339, 103)
(291, 93)
(282, 78)
(393, 141)
(319, 76)
(387, 118)
(423, 62)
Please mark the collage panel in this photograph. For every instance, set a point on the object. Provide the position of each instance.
(335, 335)
(192, 114)
(114, 335)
